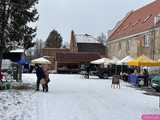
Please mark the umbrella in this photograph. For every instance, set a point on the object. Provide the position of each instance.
(41, 61)
(101, 61)
(143, 61)
(23, 62)
(125, 60)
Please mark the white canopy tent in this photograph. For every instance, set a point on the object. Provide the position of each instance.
(125, 60)
(40, 61)
(115, 60)
(101, 61)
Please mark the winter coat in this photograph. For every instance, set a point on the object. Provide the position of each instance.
(46, 75)
(40, 73)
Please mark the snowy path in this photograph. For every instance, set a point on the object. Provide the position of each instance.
(71, 97)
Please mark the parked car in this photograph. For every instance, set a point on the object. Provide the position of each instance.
(155, 82)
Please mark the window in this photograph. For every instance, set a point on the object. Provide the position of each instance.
(157, 19)
(119, 45)
(135, 24)
(147, 40)
(128, 45)
(125, 27)
(147, 18)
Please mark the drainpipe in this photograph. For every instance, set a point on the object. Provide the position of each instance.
(153, 43)
(154, 32)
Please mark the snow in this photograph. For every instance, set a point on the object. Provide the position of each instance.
(83, 38)
(71, 97)
(17, 51)
(16, 105)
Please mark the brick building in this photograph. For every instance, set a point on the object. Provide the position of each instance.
(138, 33)
(86, 43)
(71, 61)
(83, 49)
(50, 54)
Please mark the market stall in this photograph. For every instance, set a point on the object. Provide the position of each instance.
(141, 61)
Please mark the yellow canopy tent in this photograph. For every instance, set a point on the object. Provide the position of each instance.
(143, 61)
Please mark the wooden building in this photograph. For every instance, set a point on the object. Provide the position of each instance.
(83, 49)
(71, 61)
(86, 43)
(50, 54)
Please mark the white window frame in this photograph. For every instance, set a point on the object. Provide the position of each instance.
(147, 40)
(156, 19)
(128, 45)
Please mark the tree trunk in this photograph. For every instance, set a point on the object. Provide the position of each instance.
(2, 30)
(1, 54)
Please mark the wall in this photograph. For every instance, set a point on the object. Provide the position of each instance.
(91, 47)
(123, 48)
(133, 46)
(157, 44)
(50, 54)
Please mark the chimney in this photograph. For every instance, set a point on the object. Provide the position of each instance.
(73, 44)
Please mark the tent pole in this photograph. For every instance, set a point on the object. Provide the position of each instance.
(159, 101)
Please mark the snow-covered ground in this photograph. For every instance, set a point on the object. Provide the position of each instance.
(71, 97)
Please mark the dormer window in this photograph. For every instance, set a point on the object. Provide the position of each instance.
(135, 24)
(125, 27)
(147, 18)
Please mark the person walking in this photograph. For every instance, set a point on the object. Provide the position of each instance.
(46, 73)
(40, 75)
(146, 77)
(1, 83)
(88, 71)
(1, 75)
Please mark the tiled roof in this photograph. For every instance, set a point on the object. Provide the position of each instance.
(53, 51)
(80, 57)
(56, 49)
(138, 21)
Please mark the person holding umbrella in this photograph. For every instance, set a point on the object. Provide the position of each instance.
(40, 75)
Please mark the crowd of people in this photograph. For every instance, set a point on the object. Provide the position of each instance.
(142, 75)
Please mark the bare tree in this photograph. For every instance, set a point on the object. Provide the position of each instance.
(102, 38)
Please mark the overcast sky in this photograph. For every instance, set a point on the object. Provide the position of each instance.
(82, 16)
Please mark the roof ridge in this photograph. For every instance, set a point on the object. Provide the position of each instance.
(148, 4)
(122, 21)
(133, 17)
